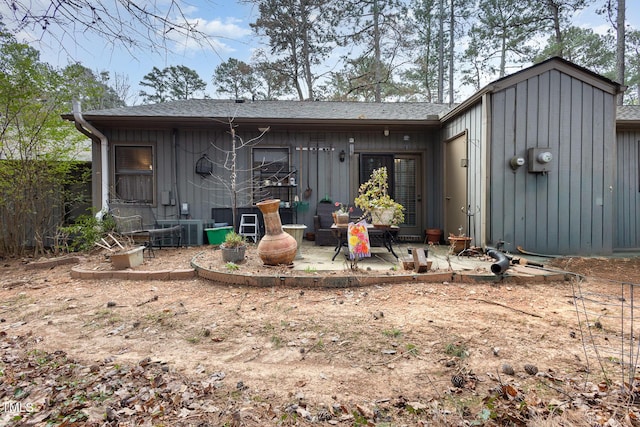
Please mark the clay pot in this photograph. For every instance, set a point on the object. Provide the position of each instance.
(459, 243)
(433, 235)
(276, 247)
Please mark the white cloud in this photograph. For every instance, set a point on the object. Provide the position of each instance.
(222, 35)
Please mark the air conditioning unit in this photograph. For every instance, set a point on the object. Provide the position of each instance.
(192, 230)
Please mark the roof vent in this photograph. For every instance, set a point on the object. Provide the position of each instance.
(239, 101)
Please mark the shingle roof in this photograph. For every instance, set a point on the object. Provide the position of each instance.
(318, 110)
(298, 110)
(628, 113)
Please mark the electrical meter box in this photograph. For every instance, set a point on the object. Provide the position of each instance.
(540, 160)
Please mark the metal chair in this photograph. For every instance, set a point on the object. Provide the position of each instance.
(249, 226)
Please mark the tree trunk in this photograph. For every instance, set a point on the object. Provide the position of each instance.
(452, 24)
(441, 53)
(620, 45)
(376, 41)
(555, 13)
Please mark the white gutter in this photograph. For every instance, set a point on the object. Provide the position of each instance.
(89, 130)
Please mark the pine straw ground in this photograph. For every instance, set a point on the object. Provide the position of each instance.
(197, 353)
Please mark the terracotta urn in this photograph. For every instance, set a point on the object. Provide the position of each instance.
(276, 247)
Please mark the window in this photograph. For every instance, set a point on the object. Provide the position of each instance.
(134, 174)
(271, 174)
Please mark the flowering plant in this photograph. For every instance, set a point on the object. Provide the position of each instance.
(343, 209)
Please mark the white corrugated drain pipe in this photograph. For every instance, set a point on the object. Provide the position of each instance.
(89, 130)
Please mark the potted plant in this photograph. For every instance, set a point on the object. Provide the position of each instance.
(233, 248)
(374, 200)
(460, 242)
(341, 215)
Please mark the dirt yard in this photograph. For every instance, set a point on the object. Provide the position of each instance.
(194, 352)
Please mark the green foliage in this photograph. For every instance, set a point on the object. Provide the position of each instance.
(86, 231)
(236, 78)
(374, 193)
(457, 349)
(302, 35)
(232, 266)
(171, 83)
(233, 240)
(584, 47)
(39, 147)
(394, 333)
(412, 349)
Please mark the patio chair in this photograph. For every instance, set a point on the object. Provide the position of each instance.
(149, 234)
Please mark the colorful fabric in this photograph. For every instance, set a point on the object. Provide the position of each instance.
(358, 238)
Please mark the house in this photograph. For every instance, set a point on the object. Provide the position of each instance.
(540, 159)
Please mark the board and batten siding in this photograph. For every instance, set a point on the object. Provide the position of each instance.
(314, 155)
(469, 121)
(627, 233)
(568, 210)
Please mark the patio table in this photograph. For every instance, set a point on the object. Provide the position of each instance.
(385, 235)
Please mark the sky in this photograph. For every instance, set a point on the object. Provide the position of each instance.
(225, 20)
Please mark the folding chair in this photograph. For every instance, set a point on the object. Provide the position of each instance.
(249, 226)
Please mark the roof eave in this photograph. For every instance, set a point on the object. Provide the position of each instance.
(222, 121)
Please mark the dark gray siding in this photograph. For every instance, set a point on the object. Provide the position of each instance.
(627, 232)
(176, 154)
(568, 210)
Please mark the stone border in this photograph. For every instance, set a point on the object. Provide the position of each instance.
(181, 274)
(351, 280)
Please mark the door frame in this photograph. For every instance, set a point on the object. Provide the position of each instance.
(448, 214)
(356, 177)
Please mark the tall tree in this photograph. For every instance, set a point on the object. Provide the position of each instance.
(615, 11)
(184, 82)
(156, 80)
(235, 78)
(424, 72)
(92, 90)
(380, 31)
(502, 32)
(633, 70)
(301, 34)
(557, 18)
(584, 47)
(37, 147)
(272, 83)
(171, 83)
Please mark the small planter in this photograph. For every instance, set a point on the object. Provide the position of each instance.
(235, 254)
(127, 259)
(341, 219)
(460, 243)
(433, 235)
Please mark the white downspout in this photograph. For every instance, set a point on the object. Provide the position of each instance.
(89, 130)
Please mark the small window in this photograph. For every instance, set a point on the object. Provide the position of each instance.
(134, 173)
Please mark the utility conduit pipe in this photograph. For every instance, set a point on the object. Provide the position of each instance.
(502, 262)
